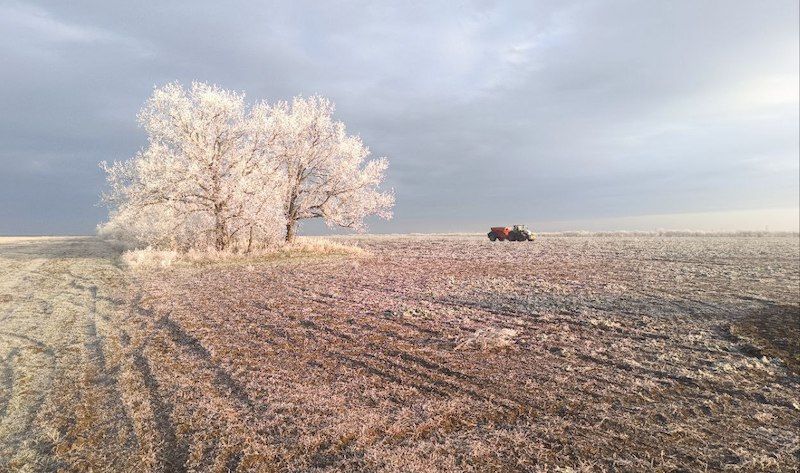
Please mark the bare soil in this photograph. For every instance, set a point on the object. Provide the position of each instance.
(429, 354)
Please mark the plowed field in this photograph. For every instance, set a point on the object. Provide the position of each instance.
(427, 354)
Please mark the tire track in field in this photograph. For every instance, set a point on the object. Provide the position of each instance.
(166, 338)
(497, 392)
(60, 403)
(151, 414)
(222, 379)
(430, 376)
(406, 369)
(172, 453)
(30, 372)
(226, 385)
(6, 380)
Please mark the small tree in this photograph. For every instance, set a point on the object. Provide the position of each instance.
(326, 175)
(203, 179)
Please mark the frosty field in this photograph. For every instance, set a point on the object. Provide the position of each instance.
(426, 353)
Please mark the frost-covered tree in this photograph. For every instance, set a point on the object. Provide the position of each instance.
(203, 180)
(326, 171)
(217, 174)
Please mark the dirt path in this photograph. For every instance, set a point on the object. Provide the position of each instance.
(59, 393)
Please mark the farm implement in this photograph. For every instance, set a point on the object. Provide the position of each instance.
(515, 233)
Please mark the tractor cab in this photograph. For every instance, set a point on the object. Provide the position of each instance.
(522, 233)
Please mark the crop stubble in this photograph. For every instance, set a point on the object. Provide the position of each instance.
(611, 353)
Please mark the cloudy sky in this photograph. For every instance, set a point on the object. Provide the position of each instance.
(586, 114)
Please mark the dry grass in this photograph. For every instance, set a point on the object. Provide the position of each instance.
(303, 247)
(568, 354)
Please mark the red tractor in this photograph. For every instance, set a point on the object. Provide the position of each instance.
(515, 233)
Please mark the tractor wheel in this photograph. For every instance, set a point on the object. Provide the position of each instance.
(492, 236)
(512, 237)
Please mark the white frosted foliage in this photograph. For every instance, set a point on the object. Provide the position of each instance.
(219, 174)
(326, 171)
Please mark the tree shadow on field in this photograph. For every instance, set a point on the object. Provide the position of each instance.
(30, 248)
(775, 332)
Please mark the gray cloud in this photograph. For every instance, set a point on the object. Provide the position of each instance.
(489, 112)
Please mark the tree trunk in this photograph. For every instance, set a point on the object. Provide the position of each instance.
(291, 216)
(219, 229)
(250, 240)
(219, 238)
(290, 230)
